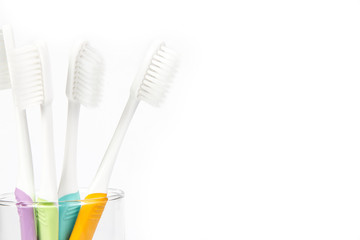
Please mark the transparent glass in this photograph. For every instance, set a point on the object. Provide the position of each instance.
(110, 227)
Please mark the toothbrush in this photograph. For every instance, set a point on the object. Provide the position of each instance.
(31, 79)
(24, 192)
(48, 215)
(150, 86)
(84, 87)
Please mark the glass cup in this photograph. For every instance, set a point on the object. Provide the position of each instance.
(110, 227)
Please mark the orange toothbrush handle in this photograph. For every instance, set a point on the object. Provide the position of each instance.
(89, 216)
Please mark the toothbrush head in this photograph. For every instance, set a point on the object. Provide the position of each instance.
(154, 79)
(29, 71)
(4, 69)
(85, 77)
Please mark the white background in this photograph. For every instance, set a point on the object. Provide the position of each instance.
(259, 137)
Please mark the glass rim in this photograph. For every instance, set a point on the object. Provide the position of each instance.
(113, 194)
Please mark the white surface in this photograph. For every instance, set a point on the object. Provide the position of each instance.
(260, 136)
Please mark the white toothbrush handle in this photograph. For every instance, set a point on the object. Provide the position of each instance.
(68, 182)
(25, 192)
(25, 179)
(48, 188)
(102, 178)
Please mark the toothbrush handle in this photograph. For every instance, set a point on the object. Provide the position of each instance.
(89, 216)
(68, 182)
(26, 214)
(90, 213)
(48, 220)
(102, 178)
(68, 188)
(25, 177)
(48, 187)
(24, 193)
(47, 211)
(69, 207)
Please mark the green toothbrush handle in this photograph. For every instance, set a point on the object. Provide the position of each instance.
(48, 220)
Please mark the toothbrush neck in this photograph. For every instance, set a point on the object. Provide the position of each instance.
(103, 175)
(68, 182)
(25, 178)
(122, 128)
(72, 133)
(48, 181)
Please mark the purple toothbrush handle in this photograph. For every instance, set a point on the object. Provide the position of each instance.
(26, 214)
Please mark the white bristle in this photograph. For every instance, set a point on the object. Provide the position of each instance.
(158, 75)
(4, 69)
(85, 83)
(27, 76)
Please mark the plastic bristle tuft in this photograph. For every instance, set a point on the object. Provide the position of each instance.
(27, 75)
(158, 76)
(88, 80)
